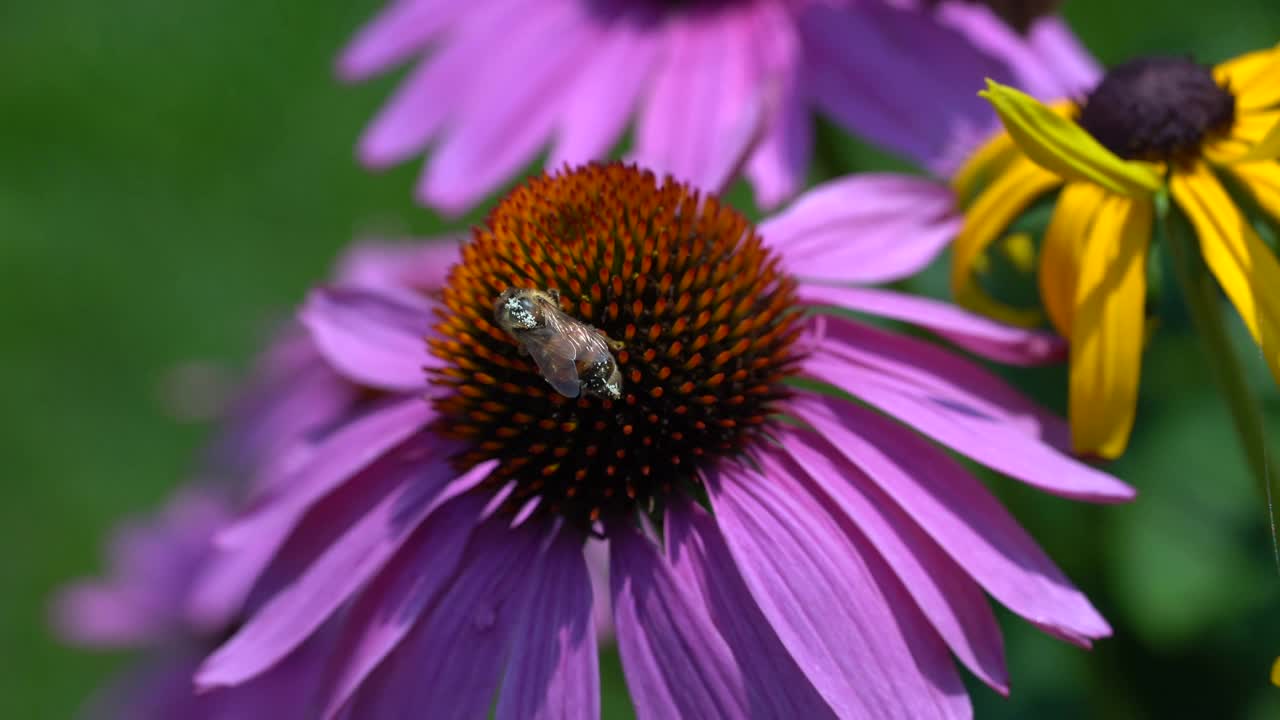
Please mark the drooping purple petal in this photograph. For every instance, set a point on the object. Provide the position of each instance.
(1060, 50)
(553, 672)
(435, 90)
(951, 600)
(975, 333)
(450, 663)
(995, 37)
(921, 93)
(398, 32)
(676, 663)
(511, 108)
(597, 556)
(337, 557)
(699, 559)
(373, 338)
(294, 394)
(844, 618)
(992, 441)
(957, 511)
(360, 441)
(413, 266)
(866, 228)
(953, 382)
(605, 94)
(288, 691)
(152, 563)
(387, 610)
(780, 161)
(704, 107)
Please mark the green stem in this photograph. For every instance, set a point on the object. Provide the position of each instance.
(1201, 293)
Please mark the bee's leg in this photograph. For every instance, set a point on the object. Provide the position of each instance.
(614, 345)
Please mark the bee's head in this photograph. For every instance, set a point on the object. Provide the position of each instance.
(517, 309)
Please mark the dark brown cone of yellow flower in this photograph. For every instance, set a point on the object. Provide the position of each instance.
(702, 310)
(1158, 109)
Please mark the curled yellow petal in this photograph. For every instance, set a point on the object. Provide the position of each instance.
(988, 161)
(1253, 78)
(1063, 147)
(992, 157)
(1243, 265)
(1107, 330)
(984, 222)
(1064, 242)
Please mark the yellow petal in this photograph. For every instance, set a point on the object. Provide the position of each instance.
(1060, 253)
(1107, 331)
(1254, 137)
(985, 163)
(1262, 180)
(1063, 147)
(1244, 266)
(984, 222)
(1275, 672)
(1254, 78)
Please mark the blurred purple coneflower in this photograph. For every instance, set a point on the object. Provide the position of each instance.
(776, 548)
(713, 86)
(141, 604)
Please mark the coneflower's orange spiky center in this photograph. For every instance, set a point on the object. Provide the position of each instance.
(701, 319)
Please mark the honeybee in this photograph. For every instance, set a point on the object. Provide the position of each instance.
(571, 355)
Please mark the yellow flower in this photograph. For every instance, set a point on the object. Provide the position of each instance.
(1150, 124)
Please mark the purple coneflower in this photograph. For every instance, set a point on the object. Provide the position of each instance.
(711, 84)
(775, 550)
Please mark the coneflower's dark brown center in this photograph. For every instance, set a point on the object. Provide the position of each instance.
(701, 319)
(1157, 109)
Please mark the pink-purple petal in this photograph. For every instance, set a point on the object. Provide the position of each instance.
(387, 610)
(991, 441)
(953, 382)
(957, 511)
(507, 120)
(398, 32)
(676, 663)
(846, 621)
(431, 94)
(374, 339)
(337, 556)
(949, 598)
(605, 94)
(780, 161)
(553, 672)
(775, 685)
(245, 548)
(451, 662)
(1061, 51)
(862, 56)
(704, 107)
(357, 444)
(975, 333)
(866, 228)
(410, 266)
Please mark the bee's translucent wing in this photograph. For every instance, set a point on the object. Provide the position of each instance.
(556, 357)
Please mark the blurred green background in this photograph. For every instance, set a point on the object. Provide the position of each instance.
(173, 175)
